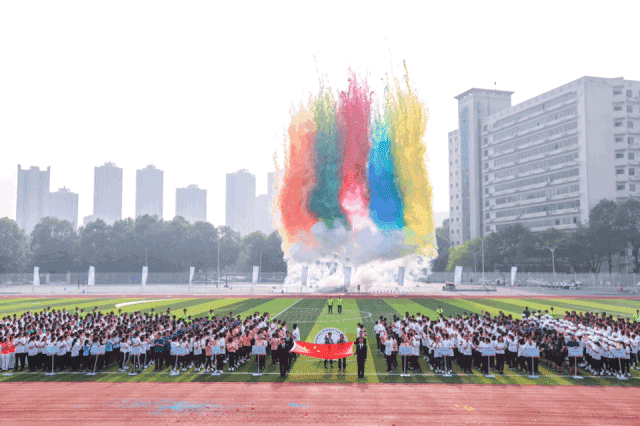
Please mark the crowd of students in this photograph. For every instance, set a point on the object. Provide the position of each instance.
(87, 342)
(91, 342)
(466, 335)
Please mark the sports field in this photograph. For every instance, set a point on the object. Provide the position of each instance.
(311, 316)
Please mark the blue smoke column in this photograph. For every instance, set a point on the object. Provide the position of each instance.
(386, 202)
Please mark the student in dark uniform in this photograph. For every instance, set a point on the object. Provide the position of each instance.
(342, 362)
(327, 341)
(361, 354)
(284, 357)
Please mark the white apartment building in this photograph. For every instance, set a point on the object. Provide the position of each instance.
(240, 203)
(191, 203)
(546, 162)
(149, 191)
(465, 167)
(63, 205)
(107, 193)
(33, 190)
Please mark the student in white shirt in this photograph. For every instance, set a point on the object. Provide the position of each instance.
(500, 346)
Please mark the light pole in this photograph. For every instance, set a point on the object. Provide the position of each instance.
(483, 282)
(219, 238)
(475, 264)
(553, 263)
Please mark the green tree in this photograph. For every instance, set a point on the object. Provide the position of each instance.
(252, 247)
(628, 224)
(440, 262)
(273, 259)
(606, 236)
(125, 255)
(229, 247)
(52, 245)
(13, 246)
(94, 248)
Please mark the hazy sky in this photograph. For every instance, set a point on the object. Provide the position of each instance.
(202, 88)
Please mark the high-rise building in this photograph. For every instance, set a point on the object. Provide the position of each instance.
(33, 190)
(240, 202)
(63, 205)
(464, 160)
(149, 191)
(107, 193)
(191, 203)
(546, 162)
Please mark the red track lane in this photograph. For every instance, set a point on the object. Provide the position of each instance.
(307, 296)
(142, 404)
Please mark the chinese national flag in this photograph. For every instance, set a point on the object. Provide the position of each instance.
(322, 351)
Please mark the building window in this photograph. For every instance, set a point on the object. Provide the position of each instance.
(632, 171)
(617, 108)
(619, 139)
(629, 93)
(632, 156)
(456, 184)
(630, 140)
(451, 185)
(486, 140)
(629, 124)
(486, 165)
(486, 152)
(451, 174)
(456, 173)
(451, 163)
(575, 219)
(486, 178)
(629, 109)
(632, 187)
(451, 208)
(618, 124)
(457, 196)
(619, 154)
(619, 171)
(452, 197)
(486, 190)
(456, 161)
(487, 216)
(485, 127)
(620, 187)
(487, 229)
(456, 149)
(557, 221)
(617, 92)
(486, 204)
(457, 208)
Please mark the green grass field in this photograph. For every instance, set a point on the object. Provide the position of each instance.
(311, 316)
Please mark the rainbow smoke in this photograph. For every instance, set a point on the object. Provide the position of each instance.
(355, 187)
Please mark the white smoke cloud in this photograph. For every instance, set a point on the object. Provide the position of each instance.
(375, 275)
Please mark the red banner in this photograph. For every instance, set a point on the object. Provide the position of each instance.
(322, 351)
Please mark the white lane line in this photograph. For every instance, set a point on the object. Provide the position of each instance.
(288, 307)
(135, 302)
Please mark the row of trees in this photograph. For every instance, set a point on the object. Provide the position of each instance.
(612, 229)
(127, 245)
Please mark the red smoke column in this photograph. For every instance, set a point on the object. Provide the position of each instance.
(353, 125)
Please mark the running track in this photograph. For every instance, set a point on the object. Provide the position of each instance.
(143, 404)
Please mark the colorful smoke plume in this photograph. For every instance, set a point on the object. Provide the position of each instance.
(355, 187)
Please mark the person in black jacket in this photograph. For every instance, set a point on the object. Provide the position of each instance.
(361, 353)
(283, 351)
(289, 345)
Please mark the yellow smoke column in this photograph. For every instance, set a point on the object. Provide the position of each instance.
(407, 118)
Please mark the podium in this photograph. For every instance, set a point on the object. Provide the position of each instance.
(258, 351)
(404, 352)
(488, 351)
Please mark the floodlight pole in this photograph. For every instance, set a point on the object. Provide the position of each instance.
(553, 262)
(483, 282)
(219, 238)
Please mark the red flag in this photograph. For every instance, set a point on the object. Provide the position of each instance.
(322, 351)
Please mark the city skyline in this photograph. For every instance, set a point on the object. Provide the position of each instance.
(199, 110)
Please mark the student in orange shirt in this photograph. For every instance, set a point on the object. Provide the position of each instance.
(4, 354)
